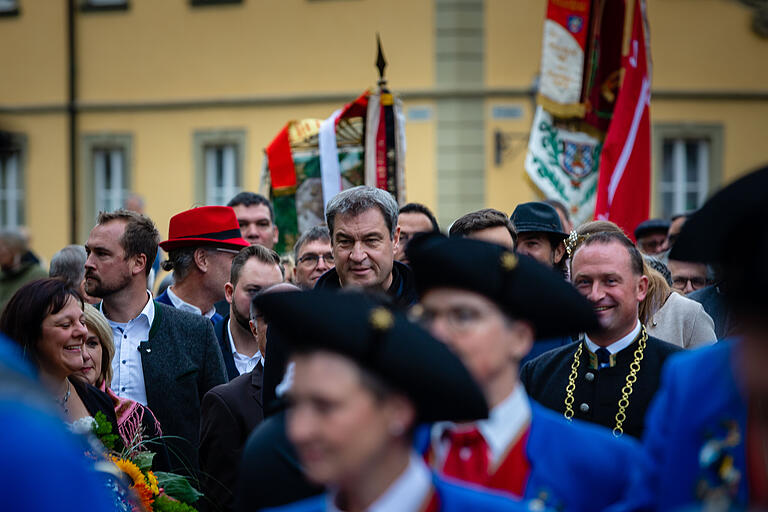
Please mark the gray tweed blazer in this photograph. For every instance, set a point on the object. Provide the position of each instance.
(181, 362)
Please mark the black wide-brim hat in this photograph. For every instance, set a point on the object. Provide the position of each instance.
(520, 286)
(731, 231)
(537, 217)
(381, 340)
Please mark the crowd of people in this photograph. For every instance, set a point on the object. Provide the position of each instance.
(517, 362)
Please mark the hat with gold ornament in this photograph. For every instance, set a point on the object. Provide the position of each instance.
(381, 340)
(520, 286)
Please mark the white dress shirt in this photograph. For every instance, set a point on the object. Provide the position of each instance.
(618, 345)
(406, 494)
(178, 303)
(243, 363)
(127, 372)
(504, 425)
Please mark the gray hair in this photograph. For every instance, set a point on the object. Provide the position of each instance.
(312, 234)
(14, 240)
(69, 264)
(181, 261)
(357, 200)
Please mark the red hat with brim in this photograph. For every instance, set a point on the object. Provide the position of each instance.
(206, 225)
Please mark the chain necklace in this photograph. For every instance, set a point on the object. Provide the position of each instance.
(63, 401)
(625, 391)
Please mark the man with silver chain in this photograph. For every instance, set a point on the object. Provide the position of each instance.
(610, 376)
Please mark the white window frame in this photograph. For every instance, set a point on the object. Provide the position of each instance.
(709, 171)
(214, 148)
(91, 185)
(12, 194)
(109, 191)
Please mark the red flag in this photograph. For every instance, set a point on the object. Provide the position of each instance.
(624, 184)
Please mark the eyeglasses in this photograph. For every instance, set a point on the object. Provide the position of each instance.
(459, 318)
(311, 259)
(227, 251)
(680, 282)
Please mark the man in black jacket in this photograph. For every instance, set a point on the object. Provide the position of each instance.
(611, 375)
(364, 234)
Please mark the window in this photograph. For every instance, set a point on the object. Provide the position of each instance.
(219, 165)
(104, 176)
(222, 177)
(110, 185)
(11, 189)
(688, 168)
(9, 8)
(103, 5)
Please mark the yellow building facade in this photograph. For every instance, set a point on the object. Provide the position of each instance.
(175, 100)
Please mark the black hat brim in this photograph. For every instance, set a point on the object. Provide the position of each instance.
(404, 355)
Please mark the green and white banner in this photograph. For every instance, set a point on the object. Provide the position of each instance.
(564, 165)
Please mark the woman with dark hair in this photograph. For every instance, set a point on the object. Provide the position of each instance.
(45, 317)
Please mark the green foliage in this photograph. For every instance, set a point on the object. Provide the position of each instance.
(102, 428)
(144, 460)
(165, 504)
(178, 487)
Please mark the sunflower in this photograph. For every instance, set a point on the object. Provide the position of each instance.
(130, 469)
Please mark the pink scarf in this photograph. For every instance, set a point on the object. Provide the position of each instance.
(130, 415)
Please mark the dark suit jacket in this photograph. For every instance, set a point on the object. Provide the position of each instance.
(270, 473)
(229, 413)
(226, 351)
(181, 362)
(597, 393)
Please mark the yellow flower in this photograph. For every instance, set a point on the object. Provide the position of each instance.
(130, 469)
(152, 483)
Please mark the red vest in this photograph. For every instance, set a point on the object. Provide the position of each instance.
(511, 474)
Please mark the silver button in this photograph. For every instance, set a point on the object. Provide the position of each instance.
(584, 407)
(589, 376)
(149, 350)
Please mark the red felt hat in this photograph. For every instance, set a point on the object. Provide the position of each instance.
(206, 225)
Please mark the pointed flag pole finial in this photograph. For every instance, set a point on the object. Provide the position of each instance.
(381, 63)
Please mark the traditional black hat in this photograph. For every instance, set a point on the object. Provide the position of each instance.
(384, 342)
(651, 226)
(731, 230)
(519, 285)
(537, 217)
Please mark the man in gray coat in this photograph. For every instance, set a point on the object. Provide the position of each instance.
(164, 358)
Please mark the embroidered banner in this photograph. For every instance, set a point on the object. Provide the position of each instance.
(312, 160)
(562, 56)
(563, 164)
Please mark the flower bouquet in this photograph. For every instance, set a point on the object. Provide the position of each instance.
(155, 491)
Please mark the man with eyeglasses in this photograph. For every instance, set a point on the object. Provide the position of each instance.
(687, 276)
(651, 236)
(488, 305)
(313, 256)
(201, 245)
